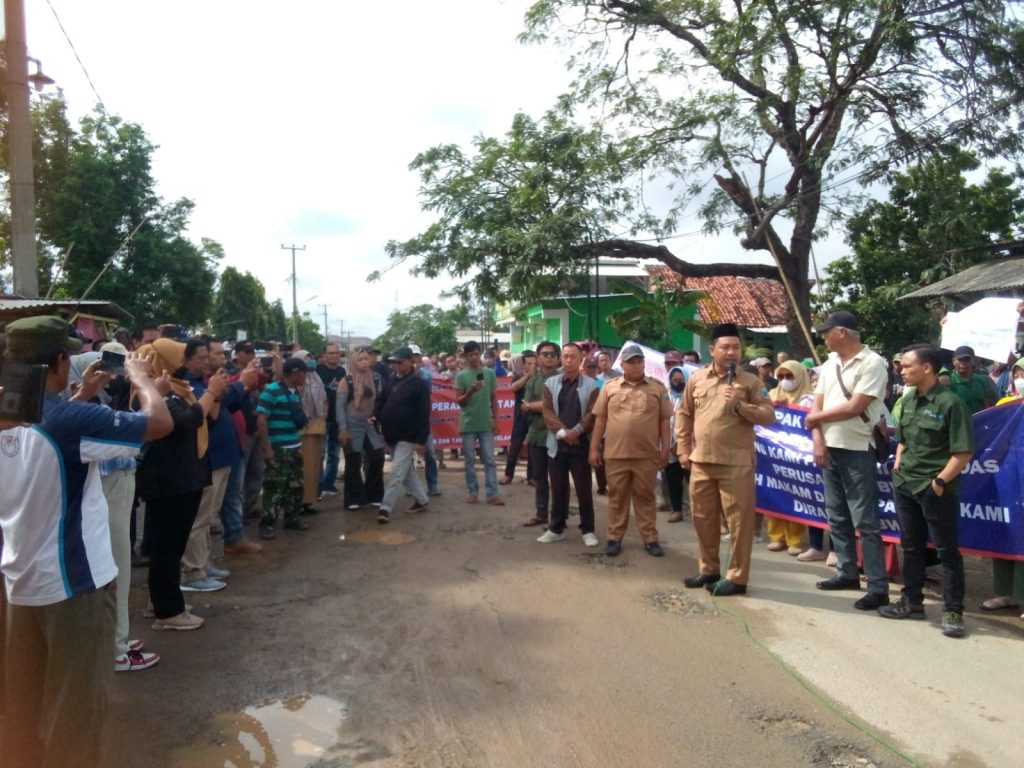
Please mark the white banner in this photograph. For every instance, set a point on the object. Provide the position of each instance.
(988, 325)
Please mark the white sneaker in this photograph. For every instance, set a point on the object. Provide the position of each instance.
(590, 540)
(133, 661)
(549, 536)
(183, 622)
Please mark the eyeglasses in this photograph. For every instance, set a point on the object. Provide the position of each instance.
(785, 376)
(549, 354)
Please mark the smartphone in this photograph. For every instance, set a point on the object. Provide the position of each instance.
(479, 377)
(112, 363)
(24, 390)
(267, 362)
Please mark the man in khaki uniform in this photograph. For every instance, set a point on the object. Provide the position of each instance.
(715, 440)
(632, 415)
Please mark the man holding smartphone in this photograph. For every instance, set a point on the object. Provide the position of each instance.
(477, 389)
(57, 563)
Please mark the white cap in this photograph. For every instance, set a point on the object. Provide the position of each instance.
(416, 349)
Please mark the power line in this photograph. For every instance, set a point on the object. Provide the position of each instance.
(77, 57)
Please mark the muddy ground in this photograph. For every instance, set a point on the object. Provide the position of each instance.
(451, 639)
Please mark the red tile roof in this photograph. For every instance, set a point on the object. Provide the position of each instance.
(749, 302)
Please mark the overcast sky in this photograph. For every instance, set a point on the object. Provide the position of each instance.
(295, 122)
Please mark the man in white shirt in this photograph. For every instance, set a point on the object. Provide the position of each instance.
(847, 404)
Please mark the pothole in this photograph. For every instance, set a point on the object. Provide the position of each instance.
(680, 603)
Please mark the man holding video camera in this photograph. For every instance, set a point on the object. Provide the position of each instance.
(57, 564)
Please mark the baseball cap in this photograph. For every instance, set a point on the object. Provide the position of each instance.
(114, 346)
(897, 357)
(630, 351)
(402, 353)
(673, 357)
(964, 351)
(591, 362)
(40, 335)
(415, 349)
(757, 362)
(840, 318)
(293, 364)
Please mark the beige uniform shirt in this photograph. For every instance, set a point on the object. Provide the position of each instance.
(634, 412)
(708, 430)
(865, 373)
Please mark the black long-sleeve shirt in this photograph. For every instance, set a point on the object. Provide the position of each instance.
(404, 411)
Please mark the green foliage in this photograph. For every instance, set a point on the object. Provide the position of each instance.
(429, 326)
(653, 315)
(240, 302)
(94, 188)
(511, 217)
(751, 111)
(915, 238)
(311, 337)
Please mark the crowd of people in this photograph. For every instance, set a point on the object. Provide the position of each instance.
(163, 464)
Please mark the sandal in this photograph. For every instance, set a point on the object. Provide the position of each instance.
(506, 480)
(534, 521)
(999, 603)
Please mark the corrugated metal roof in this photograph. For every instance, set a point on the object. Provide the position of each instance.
(1002, 276)
(11, 309)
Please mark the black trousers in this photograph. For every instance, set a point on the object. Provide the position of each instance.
(560, 468)
(539, 459)
(519, 430)
(359, 488)
(922, 515)
(169, 520)
(676, 478)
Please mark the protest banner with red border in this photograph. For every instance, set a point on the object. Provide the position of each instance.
(445, 412)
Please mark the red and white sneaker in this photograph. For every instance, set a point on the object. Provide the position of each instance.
(135, 645)
(134, 661)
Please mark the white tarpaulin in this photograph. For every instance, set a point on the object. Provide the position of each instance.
(988, 325)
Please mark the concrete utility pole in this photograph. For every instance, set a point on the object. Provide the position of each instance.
(24, 259)
(295, 300)
(324, 307)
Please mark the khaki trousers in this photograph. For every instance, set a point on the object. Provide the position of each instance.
(312, 461)
(716, 489)
(119, 490)
(632, 481)
(197, 551)
(59, 672)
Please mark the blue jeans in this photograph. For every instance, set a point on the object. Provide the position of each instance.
(403, 474)
(486, 442)
(851, 500)
(232, 508)
(430, 466)
(332, 451)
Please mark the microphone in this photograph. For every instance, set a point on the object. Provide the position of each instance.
(730, 375)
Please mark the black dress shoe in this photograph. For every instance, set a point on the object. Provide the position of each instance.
(724, 588)
(701, 579)
(612, 548)
(654, 549)
(298, 524)
(838, 582)
(872, 601)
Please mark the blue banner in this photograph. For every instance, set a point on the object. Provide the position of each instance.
(789, 486)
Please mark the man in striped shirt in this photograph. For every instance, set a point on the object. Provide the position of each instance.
(280, 417)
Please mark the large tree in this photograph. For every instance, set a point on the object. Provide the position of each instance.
(96, 202)
(766, 115)
(240, 303)
(934, 224)
(432, 328)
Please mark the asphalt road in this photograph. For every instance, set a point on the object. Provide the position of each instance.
(452, 639)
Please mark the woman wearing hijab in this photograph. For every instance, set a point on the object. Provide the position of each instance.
(676, 478)
(794, 389)
(171, 476)
(357, 399)
(314, 403)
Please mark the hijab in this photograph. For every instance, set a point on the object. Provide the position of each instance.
(167, 356)
(803, 384)
(363, 388)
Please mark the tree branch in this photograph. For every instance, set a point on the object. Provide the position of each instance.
(631, 249)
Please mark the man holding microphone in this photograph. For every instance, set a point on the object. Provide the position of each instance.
(715, 440)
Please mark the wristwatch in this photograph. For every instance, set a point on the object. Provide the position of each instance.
(940, 482)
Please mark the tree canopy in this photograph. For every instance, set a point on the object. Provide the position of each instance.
(96, 199)
(763, 115)
(432, 328)
(933, 225)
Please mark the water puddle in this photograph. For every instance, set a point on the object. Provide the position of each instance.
(377, 536)
(288, 733)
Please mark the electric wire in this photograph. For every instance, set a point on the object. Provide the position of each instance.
(78, 58)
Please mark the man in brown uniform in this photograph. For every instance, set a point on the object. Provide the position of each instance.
(715, 440)
(633, 413)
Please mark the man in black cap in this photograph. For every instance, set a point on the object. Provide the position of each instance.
(715, 422)
(847, 404)
(57, 554)
(404, 416)
(978, 391)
